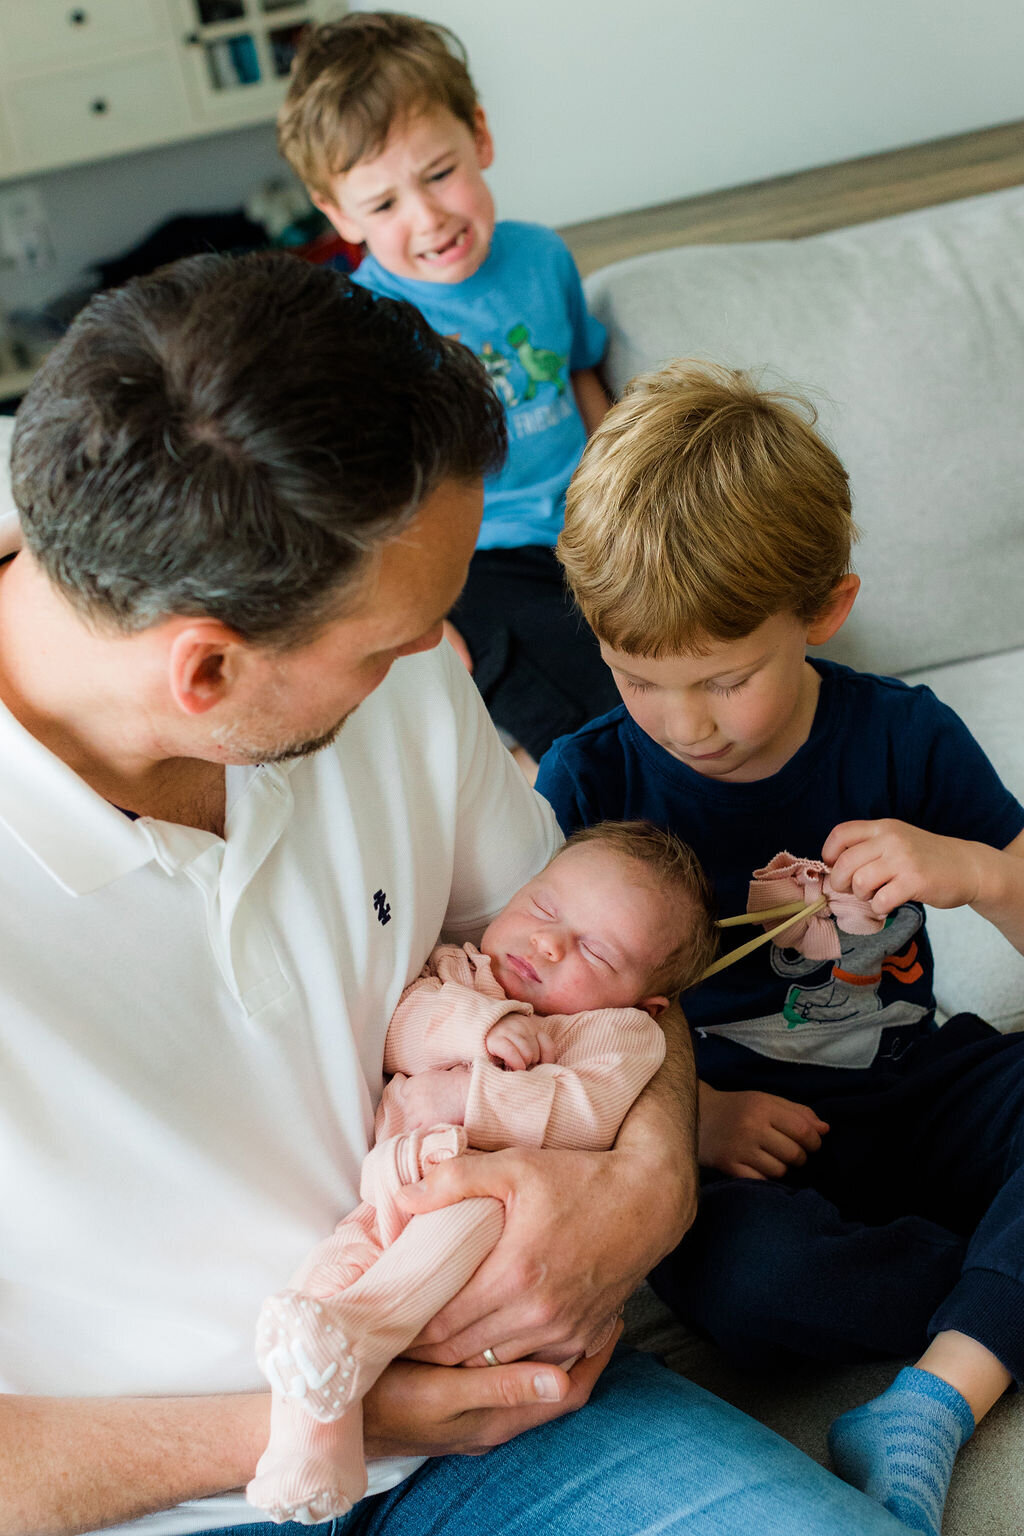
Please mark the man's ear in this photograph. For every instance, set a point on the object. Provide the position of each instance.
(347, 228)
(655, 1006)
(202, 664)
(835, 612)
(482, 139)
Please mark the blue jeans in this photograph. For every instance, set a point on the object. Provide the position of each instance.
(650, 1452)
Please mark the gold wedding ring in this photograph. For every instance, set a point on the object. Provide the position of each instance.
(490, 1357)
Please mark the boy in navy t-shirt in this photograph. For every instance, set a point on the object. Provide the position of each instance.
(865, 1188)
(383, 125)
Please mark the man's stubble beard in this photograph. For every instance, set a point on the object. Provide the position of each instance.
(252, 754)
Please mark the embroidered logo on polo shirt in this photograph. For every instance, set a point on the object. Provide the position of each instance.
(380, 906)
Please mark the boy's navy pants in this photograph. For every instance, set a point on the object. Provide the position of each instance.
(909, 1221)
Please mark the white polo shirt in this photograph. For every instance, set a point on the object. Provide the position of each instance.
(192, 1028)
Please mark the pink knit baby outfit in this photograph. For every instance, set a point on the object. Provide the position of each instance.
(362, 1296)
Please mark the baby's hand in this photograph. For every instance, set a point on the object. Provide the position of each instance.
(437, 1097)
(519, 1041)
(754, 1135)
(889, 862)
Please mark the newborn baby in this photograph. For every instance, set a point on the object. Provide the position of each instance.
(543, 1037)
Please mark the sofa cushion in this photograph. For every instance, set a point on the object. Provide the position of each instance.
(975, 968)
(909, 335)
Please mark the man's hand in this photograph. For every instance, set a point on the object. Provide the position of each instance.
(890, 862)
(519, 1042)
(431, 1410)
(755, 1135)
(572, 1250)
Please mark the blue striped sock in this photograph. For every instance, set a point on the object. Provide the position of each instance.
(900, 1448)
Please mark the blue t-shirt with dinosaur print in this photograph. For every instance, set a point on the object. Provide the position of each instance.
(878, 748)
(524, 315)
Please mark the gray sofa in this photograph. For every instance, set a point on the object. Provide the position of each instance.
(909, 336)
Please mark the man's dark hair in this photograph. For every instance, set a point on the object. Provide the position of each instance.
(233, 437)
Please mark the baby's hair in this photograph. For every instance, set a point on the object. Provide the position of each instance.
(353, 79)
(674, 868)
(704, 505)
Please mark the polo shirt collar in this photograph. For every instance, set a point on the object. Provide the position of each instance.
(76, 835)
(79, 838)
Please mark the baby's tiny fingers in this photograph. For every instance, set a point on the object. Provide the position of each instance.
(506, 1050)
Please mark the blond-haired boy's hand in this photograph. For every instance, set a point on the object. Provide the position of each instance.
(753, 1135)
(518, 1041)
(889, 862)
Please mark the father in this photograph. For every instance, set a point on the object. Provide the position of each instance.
(249, 492)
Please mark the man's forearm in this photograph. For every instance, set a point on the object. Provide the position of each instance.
(662, 1124)
(78, 1464)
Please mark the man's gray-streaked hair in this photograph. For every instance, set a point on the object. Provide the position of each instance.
(234, 437)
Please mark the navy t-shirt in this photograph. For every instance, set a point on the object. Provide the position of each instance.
(877, 748)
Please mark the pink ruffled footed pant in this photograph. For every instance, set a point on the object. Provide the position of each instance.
(357, 1302)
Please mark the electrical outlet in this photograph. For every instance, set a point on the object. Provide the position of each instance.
(25, 236)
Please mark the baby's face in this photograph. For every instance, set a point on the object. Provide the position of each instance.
(421, 205)
(588, 932)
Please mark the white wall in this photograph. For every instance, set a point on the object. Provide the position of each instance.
(599, 106)
(604, 105)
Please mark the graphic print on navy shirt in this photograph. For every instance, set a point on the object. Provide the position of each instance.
(877, 748)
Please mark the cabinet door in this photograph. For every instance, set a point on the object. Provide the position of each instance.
(84, 114)
(41, 34)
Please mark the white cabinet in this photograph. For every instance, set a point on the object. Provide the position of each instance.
(47, 34)
(105, 109)
(83, 81)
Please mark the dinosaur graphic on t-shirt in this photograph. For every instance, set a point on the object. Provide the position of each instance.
(540, 364)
